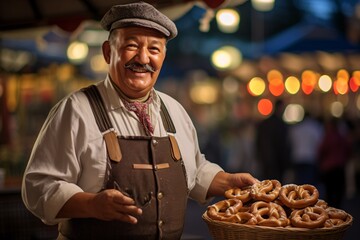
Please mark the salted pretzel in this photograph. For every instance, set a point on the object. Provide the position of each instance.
(337, 217)
(298, 196)
(266, 190)
(321, 203)
(309, 217)
(333, 222)
(336, 213)
(269, 214)
(245, 218)
(238, 193)
(225, 210)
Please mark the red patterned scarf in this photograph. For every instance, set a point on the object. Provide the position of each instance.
(141, 109)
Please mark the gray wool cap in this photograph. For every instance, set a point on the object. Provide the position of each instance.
(138, 14)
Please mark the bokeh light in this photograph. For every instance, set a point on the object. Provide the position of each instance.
(77, 52)
(228, 20)
(341, 84)
(230, 85)
(265, 106)
(325, 83)
(353, 85)
(256, 86)
(276, 82)
(263, 5)
(204, 93)
(292, 85)
(308, 81)
(293, 113)
(356, 76)
(226, 58)
(336, 109)
(358, 102)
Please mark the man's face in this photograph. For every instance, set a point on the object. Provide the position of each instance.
(135, 56)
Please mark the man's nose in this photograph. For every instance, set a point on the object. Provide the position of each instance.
(143, 56)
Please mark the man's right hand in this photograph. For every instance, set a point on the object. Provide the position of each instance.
(111, 204)
(106, 205)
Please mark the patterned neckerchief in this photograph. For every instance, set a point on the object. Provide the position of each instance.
(141, 109)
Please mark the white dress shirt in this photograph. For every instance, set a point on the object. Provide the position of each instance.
(69, 155)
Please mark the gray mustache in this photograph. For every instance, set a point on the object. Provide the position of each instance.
(145, 67)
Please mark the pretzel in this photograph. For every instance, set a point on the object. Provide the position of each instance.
(225, 210)
(309, 217)
(245, 218)
(294, 196)
(335, 213)
(266, 190)
(321, 203)
(241, 194)
(333, 222)
(269, 214)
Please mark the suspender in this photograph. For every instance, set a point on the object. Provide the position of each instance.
(102, 118)
(98, 108)
(166, 119)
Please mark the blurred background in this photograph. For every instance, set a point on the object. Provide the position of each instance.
(271, 85)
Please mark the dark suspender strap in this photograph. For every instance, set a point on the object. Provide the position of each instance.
(166, 119)
(98, 107)
(102, 118)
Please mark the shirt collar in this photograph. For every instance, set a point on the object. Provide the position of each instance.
(115, 100)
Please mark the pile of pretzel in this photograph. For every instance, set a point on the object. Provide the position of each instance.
(268, 203)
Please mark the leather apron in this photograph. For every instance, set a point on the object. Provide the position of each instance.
(152, 172)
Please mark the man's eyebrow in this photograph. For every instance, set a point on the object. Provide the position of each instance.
(130, 38)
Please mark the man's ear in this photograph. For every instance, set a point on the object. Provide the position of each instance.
(106, 50)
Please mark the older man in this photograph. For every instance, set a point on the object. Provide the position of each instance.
(119, 159)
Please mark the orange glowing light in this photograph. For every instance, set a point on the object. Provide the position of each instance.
(353, 85)
(308, 81)
(341, 86)
(265, 106)
(356, 76)
(274, 75)
(276, 87)
(342, 73)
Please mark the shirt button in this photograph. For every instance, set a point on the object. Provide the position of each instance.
(160, 195)
(160, 223)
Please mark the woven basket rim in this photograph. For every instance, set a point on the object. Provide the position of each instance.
(285, 230)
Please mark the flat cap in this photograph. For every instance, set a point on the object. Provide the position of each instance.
(138, 14)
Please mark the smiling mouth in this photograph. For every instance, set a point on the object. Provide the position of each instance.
(139, 68)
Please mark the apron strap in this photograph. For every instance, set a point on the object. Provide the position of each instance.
(166, 119)
(102, 118)
(98, 108)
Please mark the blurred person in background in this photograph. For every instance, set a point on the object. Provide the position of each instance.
(273, 145)
(118, 159)
(334, 153)
(305, 138)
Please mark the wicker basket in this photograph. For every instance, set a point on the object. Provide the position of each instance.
(228, 231)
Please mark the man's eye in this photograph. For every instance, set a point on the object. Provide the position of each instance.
(155, 50)
(131, 46)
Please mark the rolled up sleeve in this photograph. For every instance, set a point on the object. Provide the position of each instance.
(54, 165)
(204, 177)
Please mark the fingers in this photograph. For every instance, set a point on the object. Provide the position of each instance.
(114, 205)
(243, 179)
(121, 198)
(128, 213)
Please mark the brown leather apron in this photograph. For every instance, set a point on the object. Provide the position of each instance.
(150, 171)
